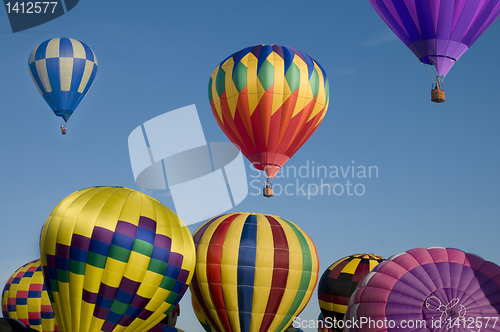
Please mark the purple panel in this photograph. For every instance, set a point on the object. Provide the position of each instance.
(129, 286)
(278, 50)
(201, 230)
(145, 314)
(139, 301)
(126, 228)
(418, 48)
(62, 250)
(490, 269)
(464, 20)
(163, 241)
(425, 20)
(147, 223)
(107, 291)
(80, 242)
(102, 234)
(89, 297)
(445, 22)
(183, 275)
(459, 50)
(175, 259)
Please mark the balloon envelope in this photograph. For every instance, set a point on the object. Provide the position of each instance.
(438, 32)
(434, 289)
(25, 298)
(254, 272)
(63, 70)
(340, 280)
(268, 100)
(114, 259)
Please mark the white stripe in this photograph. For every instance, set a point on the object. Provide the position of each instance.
(89, 66)
(95, 58)
(41, 69)
(78, 49)
(32, 55)
(65, 72)
(39, 90)
(53, 48)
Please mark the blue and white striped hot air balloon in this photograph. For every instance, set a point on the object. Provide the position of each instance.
(63, 70)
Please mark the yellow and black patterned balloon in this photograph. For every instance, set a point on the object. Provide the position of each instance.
(340, 280)
(114, 259)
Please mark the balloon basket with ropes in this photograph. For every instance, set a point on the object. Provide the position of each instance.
(268, 188)
(63, 129)
(437, 92)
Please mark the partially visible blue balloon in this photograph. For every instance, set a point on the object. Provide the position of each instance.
(63, 70)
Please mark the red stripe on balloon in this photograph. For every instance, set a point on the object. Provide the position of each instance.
(280, 273)
(214, 276)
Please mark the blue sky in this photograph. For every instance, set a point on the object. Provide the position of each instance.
(438, 164)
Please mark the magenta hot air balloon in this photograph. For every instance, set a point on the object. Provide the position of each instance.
(438, 32)
(433, 289)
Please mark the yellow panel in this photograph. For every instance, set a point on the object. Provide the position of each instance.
(251, 62)
(351, 266)
(279, 79)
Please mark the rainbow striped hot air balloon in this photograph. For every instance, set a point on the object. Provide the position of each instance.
(25, 298)
(268, 100)
(253, 271)
(114, 259)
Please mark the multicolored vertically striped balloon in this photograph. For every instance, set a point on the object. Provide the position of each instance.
(293, 329)
(254, 272)
(340, 280)
(25, 298)
(434, 289)
(269, 100)
(114, 259)
(63, 70)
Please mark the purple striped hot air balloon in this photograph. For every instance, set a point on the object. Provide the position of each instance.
(433, 289)
(438, 32)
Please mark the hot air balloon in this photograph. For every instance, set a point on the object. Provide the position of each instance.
(268, 100)
(63, 70)
(198, 311)
(438, 32)
(254, 272)
(293, 329)
(25, 298)
(114, 259)
(339, 281)
(433, 289)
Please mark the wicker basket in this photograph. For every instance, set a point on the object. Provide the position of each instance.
(268, 192)
(437, 95)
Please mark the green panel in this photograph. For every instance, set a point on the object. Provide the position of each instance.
(77, 267)
(143, 247)
(292, 77)
(172, 297)
(314, 82)
(210, 90)
(220, 82)
(327, 90)
(168, 283)
(118, 253)
(96, 260)
(119, 307)
(62, 275)
(240, 76)
(157, 266)
(266, 75)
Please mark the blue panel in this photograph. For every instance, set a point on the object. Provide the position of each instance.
(41, 50)
(124, 297)
(123, 241)
(99, 247)
(78, 255)
(65, 48)
(263, 54)
(425, 20)
(32, 294)
(288, 56)
(160, 254)
(55, 81)
(145, 235)
(407, 20)
(77, 75)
